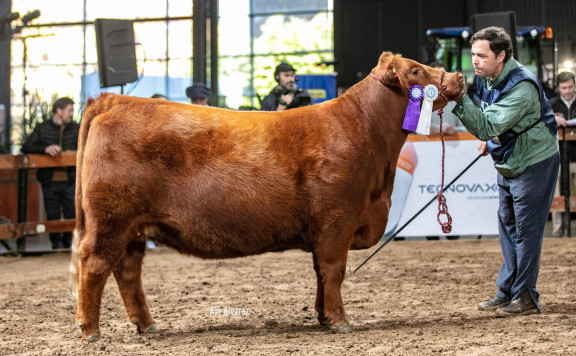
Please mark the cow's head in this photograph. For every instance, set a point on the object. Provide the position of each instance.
(397, 72)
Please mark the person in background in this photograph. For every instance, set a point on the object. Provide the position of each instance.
(516, 119)
(58, 184)
(450, 123)
(159, 96)
(286, 95)
(564, 107)
(198, 94)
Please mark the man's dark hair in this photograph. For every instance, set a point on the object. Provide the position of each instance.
(437, 64)
(564, 77)
(498, 38)
(61, 104)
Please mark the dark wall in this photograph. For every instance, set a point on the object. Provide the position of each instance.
(5, 8)
(365, 28)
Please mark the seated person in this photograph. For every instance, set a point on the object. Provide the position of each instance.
(286, 95)
(198, 94)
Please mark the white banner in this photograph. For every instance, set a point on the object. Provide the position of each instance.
(472, 200)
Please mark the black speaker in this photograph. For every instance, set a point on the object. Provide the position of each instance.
(506, 20)
(116, 52)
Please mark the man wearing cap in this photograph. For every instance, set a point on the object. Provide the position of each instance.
(286, 95)
(198, 94)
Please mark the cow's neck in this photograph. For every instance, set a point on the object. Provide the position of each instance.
(380, 110)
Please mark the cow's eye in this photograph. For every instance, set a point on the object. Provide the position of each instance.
(415, 72)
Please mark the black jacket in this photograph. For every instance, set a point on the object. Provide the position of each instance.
(559, 106)
(48, 133)
(271, 101)
(569, 113)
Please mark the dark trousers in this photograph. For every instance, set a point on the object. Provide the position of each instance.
(58, 201)
(524, 206)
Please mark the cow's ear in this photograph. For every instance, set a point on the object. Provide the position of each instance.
(387, 69)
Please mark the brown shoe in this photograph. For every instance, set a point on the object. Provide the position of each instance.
(493, 304)
(523, 305)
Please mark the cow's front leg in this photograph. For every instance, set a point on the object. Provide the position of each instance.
(128, 274)
(331, 259)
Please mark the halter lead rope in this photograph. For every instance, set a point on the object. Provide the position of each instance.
(442, 206)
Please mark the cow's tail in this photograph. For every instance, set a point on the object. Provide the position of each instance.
(89, 113)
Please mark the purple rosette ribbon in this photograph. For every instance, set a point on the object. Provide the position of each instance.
(415, 94)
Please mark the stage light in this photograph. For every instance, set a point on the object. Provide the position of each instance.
(30, 16)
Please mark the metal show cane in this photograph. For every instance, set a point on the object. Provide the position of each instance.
(414, 217)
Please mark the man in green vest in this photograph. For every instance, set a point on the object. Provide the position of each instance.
(516, 125)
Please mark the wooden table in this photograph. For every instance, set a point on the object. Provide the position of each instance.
(23, 227)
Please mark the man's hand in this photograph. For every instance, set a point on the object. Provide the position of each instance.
(448, 129)
(482, 149)
(52, 150)
(285, 101)
(287, 98)
(560, 120)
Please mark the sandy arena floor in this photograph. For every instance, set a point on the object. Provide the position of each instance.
(414, 298)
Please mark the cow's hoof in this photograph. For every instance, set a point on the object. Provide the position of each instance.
(341, 328)
(323, 319)
(153, 329)
(93, 338)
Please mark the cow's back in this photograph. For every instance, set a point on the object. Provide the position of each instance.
(210, 182)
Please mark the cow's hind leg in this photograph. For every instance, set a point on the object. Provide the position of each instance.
(95, 268)
(128, 274)
(319, 304)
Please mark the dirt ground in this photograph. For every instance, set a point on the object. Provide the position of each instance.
(413, 298)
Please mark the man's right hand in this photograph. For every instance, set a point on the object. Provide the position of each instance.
(287, 98)
(448, 129)
(482, 149)
(52, 150)
(560, 120)
(285, 101)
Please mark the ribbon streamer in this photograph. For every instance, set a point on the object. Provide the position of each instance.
(430, 94)
(413, 110)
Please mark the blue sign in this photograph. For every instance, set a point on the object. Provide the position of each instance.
(321, 87)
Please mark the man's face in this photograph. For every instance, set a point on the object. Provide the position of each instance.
(64, 115)
(486, 63)
(286, 79)
(566, 89)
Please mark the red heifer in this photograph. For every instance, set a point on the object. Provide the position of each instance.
(217, 183)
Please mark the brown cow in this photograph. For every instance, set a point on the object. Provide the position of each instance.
(216, 183)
